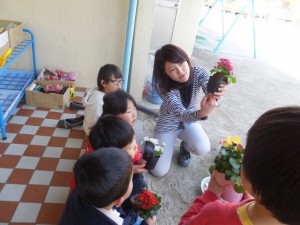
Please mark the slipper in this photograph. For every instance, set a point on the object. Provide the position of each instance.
(76, 106)
(69, 123)
(204, 184)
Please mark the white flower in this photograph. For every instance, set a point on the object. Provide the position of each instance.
(158, 147)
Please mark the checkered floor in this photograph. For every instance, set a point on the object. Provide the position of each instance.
(36, 163)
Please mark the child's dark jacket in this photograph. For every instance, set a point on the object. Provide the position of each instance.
(79, 212)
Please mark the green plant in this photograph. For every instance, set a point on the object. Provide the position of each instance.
(229, 160)
(225, 69)
(159, 148)
(146, 204)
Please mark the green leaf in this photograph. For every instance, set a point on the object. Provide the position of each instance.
(224, 152)
(236, 171)
(234, 163)
(239, 188)
(233, 79)
(234, 177)
(211, 169)
(229, 172)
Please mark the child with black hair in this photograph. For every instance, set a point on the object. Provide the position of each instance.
(109, 79)
(270, 173)
(103, 180)
(112, 131)
(122, 104)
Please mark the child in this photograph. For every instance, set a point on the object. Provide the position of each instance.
(122, 104)
(103, 180)
(270, 173)
(109, 79)
(112, 131)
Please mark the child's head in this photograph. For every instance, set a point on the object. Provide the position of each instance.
(112, 131)
(121, 104)
(109, 78)
(172, 54)
(272, 162)
(104, 177)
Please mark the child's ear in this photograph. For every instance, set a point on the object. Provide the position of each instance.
(102, 82)
(119, 201)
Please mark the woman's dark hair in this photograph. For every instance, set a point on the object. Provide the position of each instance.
(111, 131)
(103, 176)
(106, 72)
(172, 54)
(272, 162)
(116, 102)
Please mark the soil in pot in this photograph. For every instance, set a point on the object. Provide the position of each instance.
(148, 155)
(214, 82)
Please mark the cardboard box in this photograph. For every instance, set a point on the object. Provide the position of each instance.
(51, 100)
(4, 42)
(43, 73)
(15, 32)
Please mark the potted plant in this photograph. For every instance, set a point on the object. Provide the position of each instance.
(228, 164)
(152, 150)
(221, 74)
(146, 204)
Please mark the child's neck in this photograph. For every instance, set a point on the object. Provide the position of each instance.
(259, 215)
(109, 207)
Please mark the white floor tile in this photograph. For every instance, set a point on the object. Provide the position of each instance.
(10, 137)
(19, 119)
(67, 116)
(57, 194)
(39, 114)
(40, 140)
(53, 152)
(16, 149)
(65, 165)
(4, 174)
(28, 162)
(74, 143)
(49, 123)
(28, 107)
(41, 177)
(26, 212)
(26, 129)
(12, 192)
(61, 132)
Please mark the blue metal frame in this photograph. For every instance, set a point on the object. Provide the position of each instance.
(224, 34)
(14, 82)
(129, 41)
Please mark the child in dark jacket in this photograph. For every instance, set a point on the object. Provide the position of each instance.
(112, 131)
(103, 181)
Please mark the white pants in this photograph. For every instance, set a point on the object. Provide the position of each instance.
(196, 141)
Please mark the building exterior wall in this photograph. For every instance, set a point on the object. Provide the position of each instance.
(84, 35)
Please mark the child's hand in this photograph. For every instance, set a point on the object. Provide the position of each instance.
(218, 184)
(151, 220)
(139, 168)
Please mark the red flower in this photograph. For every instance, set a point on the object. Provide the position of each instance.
(225, 68)
(146, 204)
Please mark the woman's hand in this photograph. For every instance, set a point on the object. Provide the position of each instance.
(208, 103)
(220, 93)
(139, 167)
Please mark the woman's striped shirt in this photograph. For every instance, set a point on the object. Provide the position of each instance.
(172, 114)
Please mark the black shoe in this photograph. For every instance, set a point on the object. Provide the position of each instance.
(76, 106)
(184, 156)
(69, 123)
